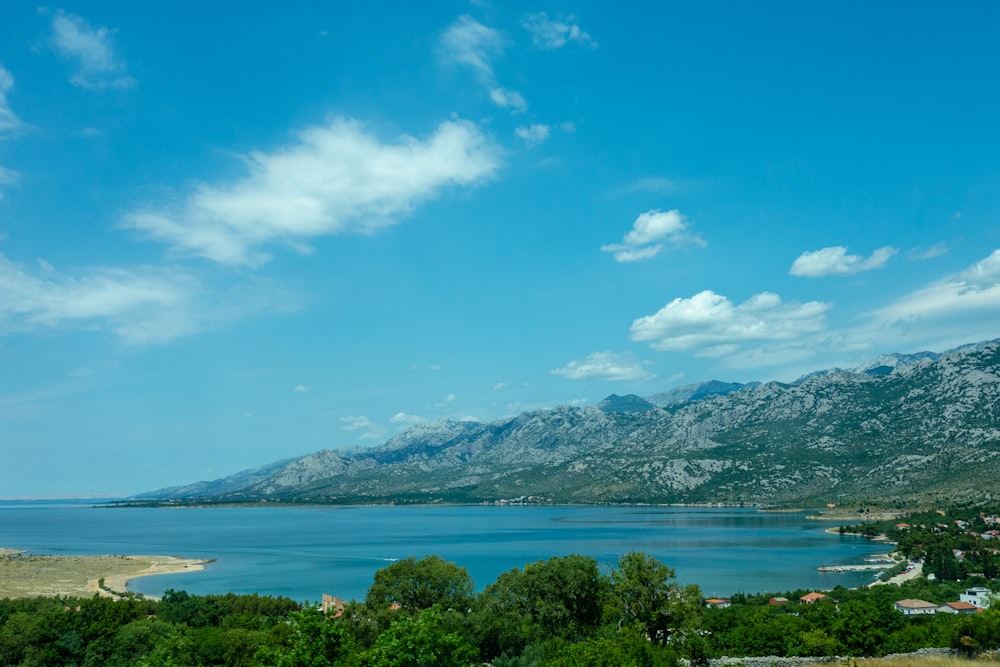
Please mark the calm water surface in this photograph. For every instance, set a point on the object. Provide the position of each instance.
(302, 552)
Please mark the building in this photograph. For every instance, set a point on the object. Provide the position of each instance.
(979, 596)
(776, 602)
(912, 607)
(332, 605)
(718, 603)
(959, 608)
(810, 598)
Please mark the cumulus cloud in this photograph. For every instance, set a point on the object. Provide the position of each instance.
(533, 134)
(711, 322)
(9, 122)
(835, 261)
(606, 366)
(555, 33)
(98, 67)
(335, 178)
(651, 233)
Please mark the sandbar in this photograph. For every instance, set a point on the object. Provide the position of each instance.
(25, 575)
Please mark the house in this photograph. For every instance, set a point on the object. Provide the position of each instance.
(912, 607)
(959, 608)
(718, 603)
(979, 596)
(810, 598)
(776, 602)
(332, 605)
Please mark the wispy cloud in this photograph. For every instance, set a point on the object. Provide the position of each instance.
(144, 305)
(533, 134)
(469, 43)
(508, 99)
(555, 33)
(9, 122)
(834, 261)
(363, 426)
(606, 366)
(920, 254)
(966, 304)
(302, 389)
(712, 324)
(651, 233)
(98, 67)
(336, 178)
(8, 177)
(403, 418)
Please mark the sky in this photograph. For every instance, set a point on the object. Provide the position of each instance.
(233, 233)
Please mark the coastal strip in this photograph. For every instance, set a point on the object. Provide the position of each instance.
(25, 575)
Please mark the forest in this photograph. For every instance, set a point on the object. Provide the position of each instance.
(425, 612)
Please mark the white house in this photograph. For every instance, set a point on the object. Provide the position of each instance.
(915, 607)
(979, 596)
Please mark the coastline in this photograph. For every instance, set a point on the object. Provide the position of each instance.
(24, 575)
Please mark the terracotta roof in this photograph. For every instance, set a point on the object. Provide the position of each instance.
(961, 606)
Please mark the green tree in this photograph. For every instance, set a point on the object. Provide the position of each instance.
(315, 641)
(422, 640)
(560, 598)
(649, 597)
(420, 584)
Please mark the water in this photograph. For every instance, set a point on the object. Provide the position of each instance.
(302, 552)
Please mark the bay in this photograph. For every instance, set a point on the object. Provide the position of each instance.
(303, 552)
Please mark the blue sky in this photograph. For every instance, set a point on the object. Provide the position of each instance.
(236, 232)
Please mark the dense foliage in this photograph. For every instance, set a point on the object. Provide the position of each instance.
(560, 611)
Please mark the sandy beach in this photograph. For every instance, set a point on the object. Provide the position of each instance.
(28, 575)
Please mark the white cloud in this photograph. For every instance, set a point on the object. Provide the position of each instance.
(607, 366)
(640, 243)
(936, 250)
(302, 389)
(336, 178)
(508, 99)
(835, 261)
(9, 122)
(951, 300)
(8, 177)
(365, 427)
(533, 134)
(549, 33)
(97, 65)
(711, 322)
(134, 302)
(144, 305)
(403, 418)
(469, 43)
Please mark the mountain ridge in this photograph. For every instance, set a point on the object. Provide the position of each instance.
(912, 427)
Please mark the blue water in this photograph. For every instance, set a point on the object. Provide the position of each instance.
(303, 552)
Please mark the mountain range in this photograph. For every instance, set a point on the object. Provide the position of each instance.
(903, 429)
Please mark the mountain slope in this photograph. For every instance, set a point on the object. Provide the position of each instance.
(925, 427)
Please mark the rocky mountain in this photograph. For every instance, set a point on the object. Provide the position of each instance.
(923, 428)
(694, 392)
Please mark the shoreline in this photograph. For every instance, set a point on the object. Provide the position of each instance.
(25, 575)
